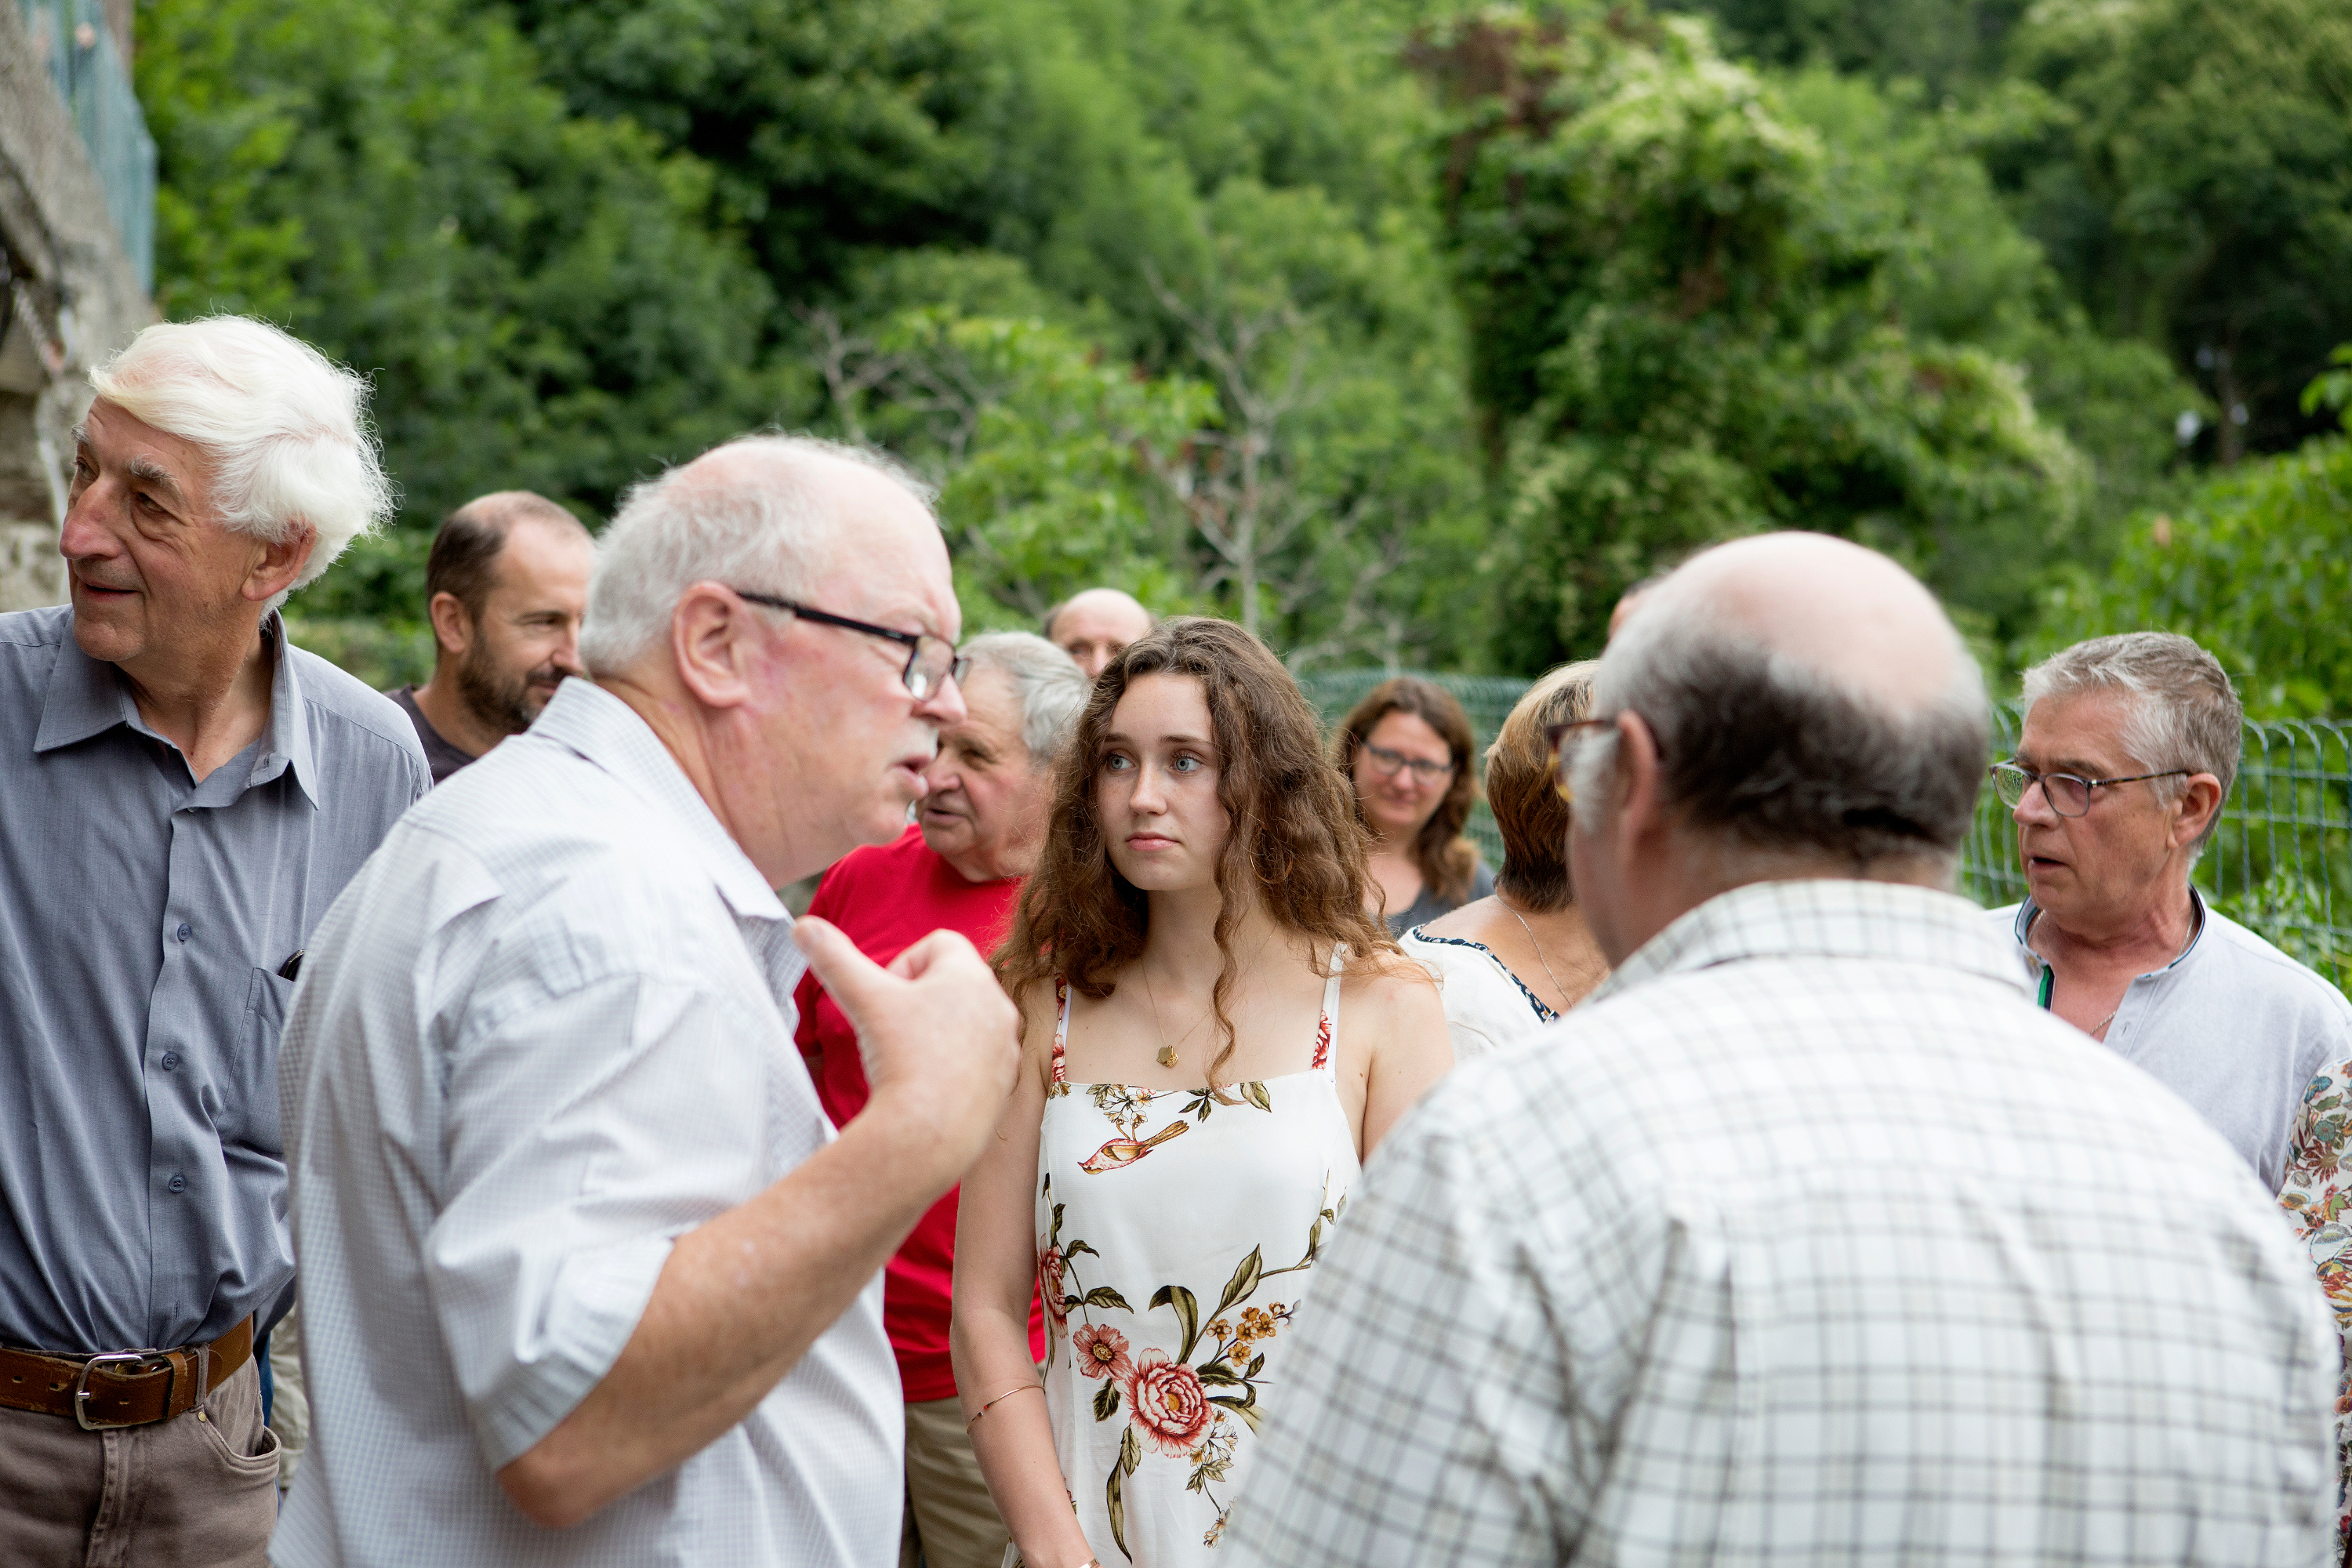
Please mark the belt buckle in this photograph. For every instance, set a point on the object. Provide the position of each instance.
(81, 1390)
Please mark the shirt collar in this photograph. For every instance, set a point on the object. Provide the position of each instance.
(1824, 918)
(586, 719)
(2028, 912)
(87, 697)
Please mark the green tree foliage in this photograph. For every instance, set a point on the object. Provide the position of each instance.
(1683, 328)
(831, 128)
(2257, 566)
(1216, 300)
(1225, 194)
(1942, 43)
(537, 295)
(1040, 447)
(1903, 177)
(2190, 173)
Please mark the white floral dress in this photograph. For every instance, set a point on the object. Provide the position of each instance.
(1175, 1230)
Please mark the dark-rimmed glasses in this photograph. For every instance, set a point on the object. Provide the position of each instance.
(2068, 795)
(930, 660)
(1387, 764)
(1562, 741)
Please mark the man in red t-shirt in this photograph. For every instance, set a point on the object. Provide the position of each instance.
(979, 828)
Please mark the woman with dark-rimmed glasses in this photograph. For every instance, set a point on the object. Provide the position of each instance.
(1406, 748)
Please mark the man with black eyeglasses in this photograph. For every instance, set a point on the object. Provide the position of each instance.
(588, 1277)
(2129, 748)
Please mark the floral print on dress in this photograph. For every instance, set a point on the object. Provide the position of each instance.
(2318, 1190)
(1186, 1406)
(1127, 1107)
(1158, 1213)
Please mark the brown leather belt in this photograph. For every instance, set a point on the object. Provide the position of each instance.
(122, 1388)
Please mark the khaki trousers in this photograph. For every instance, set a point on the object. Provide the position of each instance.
(950, 1520)
(197, 1492)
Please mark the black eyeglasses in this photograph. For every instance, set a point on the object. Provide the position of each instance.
(2067, 795)
(930, 660)
(1562, 741)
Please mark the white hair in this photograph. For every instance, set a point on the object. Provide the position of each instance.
(2184, 714)
(1048, 683)
(286, 428)
(773, 528)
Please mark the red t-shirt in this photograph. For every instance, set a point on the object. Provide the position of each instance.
(886, 899)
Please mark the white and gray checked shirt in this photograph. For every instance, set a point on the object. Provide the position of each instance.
(546, 1030)
(1809, 1239)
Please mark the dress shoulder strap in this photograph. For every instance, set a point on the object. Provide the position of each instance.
(1326, 1028)
(1061, 1025)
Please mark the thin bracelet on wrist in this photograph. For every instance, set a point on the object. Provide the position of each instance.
(986, 1406)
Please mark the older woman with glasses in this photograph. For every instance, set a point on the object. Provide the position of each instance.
(1520, 958)
(1406, 747)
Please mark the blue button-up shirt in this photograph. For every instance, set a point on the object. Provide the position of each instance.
(143, 920)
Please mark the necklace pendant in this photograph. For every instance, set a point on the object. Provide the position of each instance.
(1168, 1055)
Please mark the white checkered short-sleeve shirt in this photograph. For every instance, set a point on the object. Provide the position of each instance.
(1808, 1240)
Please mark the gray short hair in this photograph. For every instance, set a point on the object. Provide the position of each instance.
(286, 428)
(774, 531)
(1775, 757)
(1048, 682)
(2184, 712)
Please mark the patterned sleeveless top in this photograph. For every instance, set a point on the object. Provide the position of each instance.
(1175, 1231)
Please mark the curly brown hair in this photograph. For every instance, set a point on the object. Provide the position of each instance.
(1448, 861)
(1294, 844)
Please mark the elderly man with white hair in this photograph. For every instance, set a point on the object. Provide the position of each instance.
(2129, 747)
(182, 796)
(1792, 1243)
(976, 837)
(588, 1278)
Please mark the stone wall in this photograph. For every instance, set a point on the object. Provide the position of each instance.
(69, 297)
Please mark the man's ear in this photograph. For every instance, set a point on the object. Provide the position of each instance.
(1637, 780)
(275, 566)
(2201, 797)
(453, 623)
(717, 643)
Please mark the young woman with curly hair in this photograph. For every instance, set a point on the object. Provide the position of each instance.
(1216, 1034)
(1406, 748)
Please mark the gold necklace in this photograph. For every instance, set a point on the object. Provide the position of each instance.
(1167, 1056)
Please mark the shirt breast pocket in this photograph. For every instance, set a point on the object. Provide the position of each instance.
(249, 1099)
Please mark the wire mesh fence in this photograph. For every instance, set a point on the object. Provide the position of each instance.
(2279, 862)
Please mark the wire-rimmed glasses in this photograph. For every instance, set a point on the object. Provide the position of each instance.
(2069, 794)
(930, 660)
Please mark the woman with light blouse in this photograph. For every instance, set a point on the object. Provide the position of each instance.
(1517, 959)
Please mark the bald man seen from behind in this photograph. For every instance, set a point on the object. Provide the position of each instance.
(1793, 1244)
